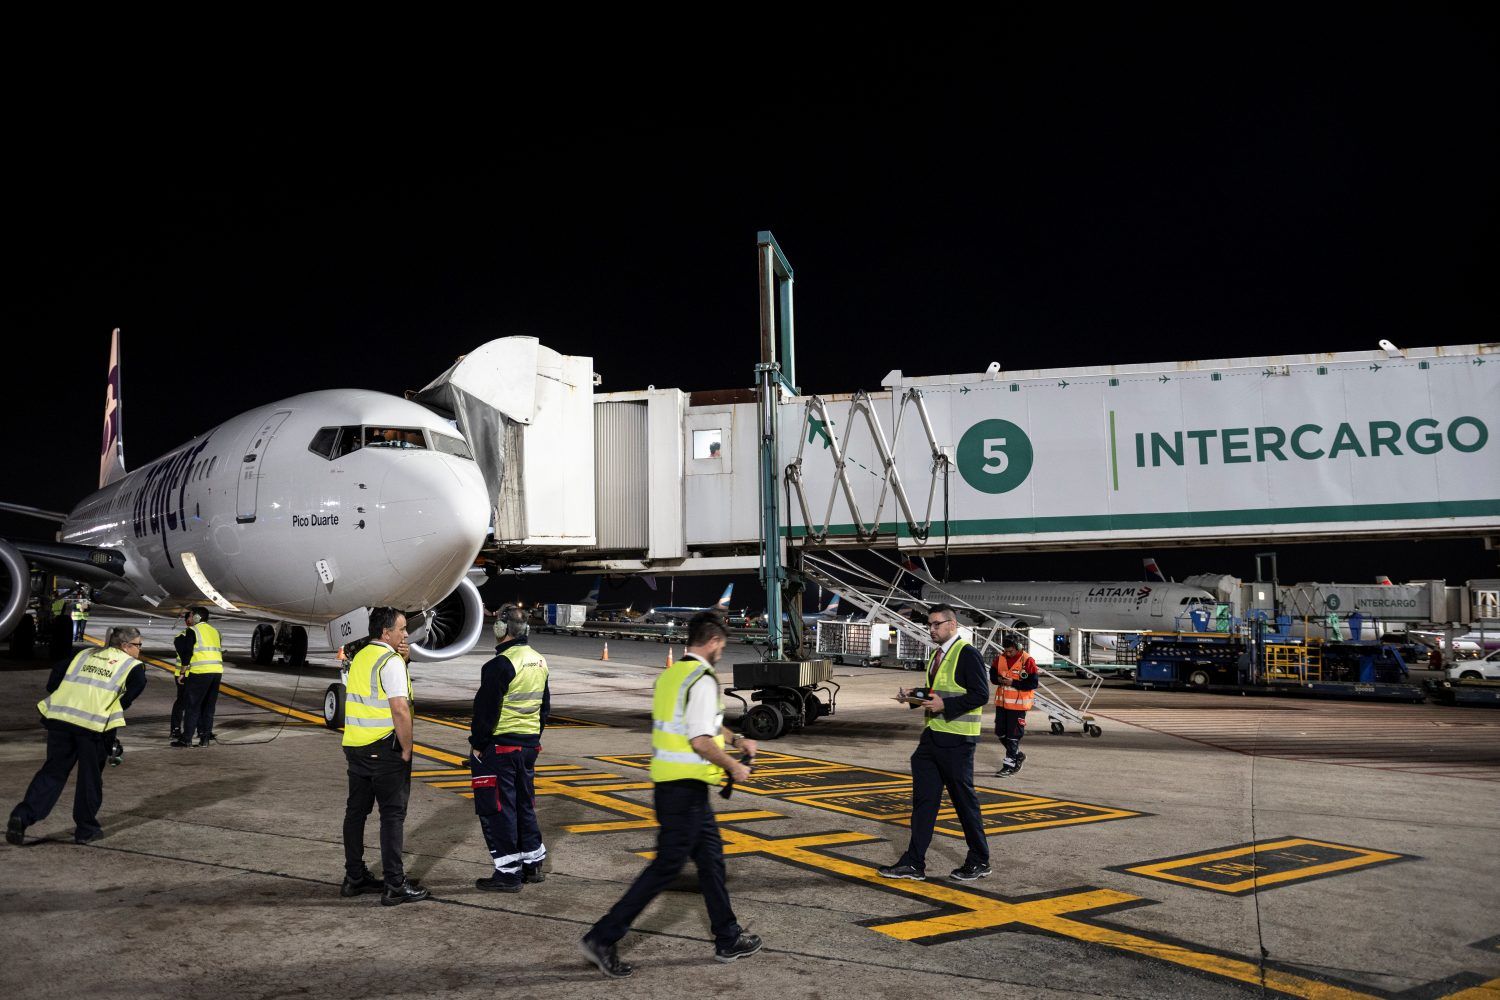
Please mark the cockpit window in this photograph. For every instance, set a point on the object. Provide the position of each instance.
(334, 442)
(394, 437)
(450, 445)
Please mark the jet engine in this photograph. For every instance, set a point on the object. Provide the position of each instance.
(451, 629)
(19, 575)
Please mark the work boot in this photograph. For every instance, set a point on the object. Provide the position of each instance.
(1020, 759)
(743, 947)
(499, 882)
(605, 957)
(179, 742)
(1007, 769)
(902, 871)
(406, 892)
(15, 831)
(970, 872)
(86, 836)
(533, 873)
(359, 886)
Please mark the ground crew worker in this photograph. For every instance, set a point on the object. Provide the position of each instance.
(179, 703)
(1014, 675)
(202, 648)
(87, 696)
(510, 711)
(944, 758)
(687, 759)
(377, 747)
(80, 615)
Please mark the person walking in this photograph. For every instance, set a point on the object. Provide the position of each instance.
(378, 742)
(201, 648)
(687, 759)
(1014, 675)
(954, 702)
(87, 695)
(510, 712)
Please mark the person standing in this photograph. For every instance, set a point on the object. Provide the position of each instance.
(377, 747)
(1015, 677)
(180, 675)
(687, 759)
(510, 712)
(80, 615)
(944, 758)
(87, 696)
(202, 648)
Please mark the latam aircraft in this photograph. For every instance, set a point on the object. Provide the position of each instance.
(1107, 605)
(306, 511)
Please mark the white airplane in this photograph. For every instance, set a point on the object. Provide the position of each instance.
(657, 616)
(306, 511)
(1107, 605)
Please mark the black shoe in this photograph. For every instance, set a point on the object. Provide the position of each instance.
(902, 871)
(15, 831)
(179, 742)
(744, 946)
(498, 883)
(1020, 760)
(1006, 771)
(533, 874)
(604, 956)
(406, 892)
(204, 741)
(87, 837)
(359, 886)
(970, 872)
(176, 735)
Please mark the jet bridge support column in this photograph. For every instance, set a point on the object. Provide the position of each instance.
(771, 377)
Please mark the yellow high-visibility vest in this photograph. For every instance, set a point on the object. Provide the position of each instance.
(90, 692)
(672, 755)
(208, 650)
(367, 710)
(946, 685)
(521, 710)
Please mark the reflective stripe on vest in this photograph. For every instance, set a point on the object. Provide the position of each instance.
(946, 686)
(208, 650)
(367, 710)
(672, 754)
(1008, 697)
(521, 708)
(89, 695)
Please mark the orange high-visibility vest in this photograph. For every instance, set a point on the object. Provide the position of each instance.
(1006, 696)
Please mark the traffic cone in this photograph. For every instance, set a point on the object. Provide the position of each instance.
(669, 657)
(605, 655)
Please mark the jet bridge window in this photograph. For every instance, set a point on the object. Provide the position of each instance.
(394, 437)
(449, 445)
(708, 443)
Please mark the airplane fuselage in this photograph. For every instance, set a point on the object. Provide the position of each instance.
(1120, 605)
(292, 513)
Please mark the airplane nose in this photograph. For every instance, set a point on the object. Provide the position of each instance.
(432, 521)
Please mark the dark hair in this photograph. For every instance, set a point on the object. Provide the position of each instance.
(938, 609)
(382, 619)
(201, 612)
(705, 627)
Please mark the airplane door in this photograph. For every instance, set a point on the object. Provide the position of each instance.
(1077, 602)
(1156, 603)
(250, 464)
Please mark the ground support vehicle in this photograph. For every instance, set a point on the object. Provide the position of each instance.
(786, 695)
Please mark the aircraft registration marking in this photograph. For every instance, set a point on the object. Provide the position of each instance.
(1248, 868)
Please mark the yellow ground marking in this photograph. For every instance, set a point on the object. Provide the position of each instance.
(442, 773)
(1163, 870)
(1484, 991)
(1096, 814)
(614, 826)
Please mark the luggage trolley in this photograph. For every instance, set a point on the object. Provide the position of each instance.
(787, 692)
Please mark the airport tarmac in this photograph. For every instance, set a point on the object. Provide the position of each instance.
(1205, 846)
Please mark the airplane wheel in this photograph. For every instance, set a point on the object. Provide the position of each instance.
(763, 722)
(333, 706)
(1057, 728)
(262, 645)
(1093, 730)
(296, 647)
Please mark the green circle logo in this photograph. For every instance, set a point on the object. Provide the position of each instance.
(1333, 602)
(994, 456)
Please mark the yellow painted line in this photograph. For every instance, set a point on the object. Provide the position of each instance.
(558, 767)
(630, 786)
(441, 773)
(1484, 991)
(451, 784)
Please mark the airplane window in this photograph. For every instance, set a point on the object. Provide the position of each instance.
(324, 442)
(449, 445)
(394, 437)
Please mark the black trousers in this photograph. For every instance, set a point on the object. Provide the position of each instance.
(377, 774)
(688, 830)
(933, 769)
(67, 745)
(179, 706)
(1010, 726)
(202, 698)
(507, 808)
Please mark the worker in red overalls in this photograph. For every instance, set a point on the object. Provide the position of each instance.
(1014, 675)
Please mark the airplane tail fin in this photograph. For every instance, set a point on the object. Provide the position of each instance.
(723, 604)
(592, 598)
(1384, 581)
(833, 606)
(921, 572)
(1153, 571)
(112, 450)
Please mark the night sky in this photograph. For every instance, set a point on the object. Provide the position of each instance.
(1051, 188)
